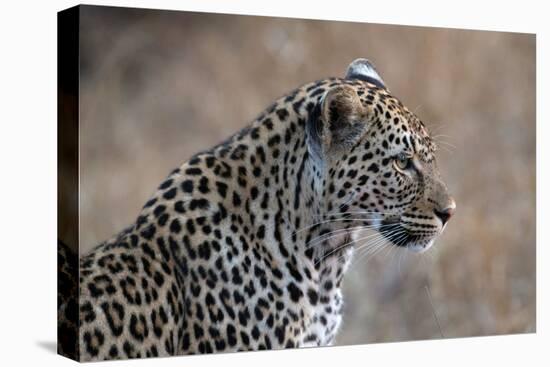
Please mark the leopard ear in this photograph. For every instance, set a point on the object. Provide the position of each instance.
(363, 69)
(343, 116)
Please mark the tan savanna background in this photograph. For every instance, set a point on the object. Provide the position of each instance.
(158, 86)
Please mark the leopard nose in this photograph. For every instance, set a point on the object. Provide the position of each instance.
(446, 213)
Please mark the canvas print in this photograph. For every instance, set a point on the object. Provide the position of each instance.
(241, 183)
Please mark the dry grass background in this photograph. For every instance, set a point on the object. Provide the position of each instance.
(158, 86)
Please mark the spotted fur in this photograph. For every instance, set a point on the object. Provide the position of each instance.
(67, 301)
(244, 247)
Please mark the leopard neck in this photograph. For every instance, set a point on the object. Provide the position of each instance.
(287, 180)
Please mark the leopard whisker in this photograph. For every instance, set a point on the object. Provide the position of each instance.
(351, 243)
(339, 247)
(446, 143)
(441, 135)
(355, 212)
(336, 232)
(368, 247)
(288, 237)
(374, 247)
(399, 260)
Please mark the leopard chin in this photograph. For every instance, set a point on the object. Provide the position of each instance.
(421, 246)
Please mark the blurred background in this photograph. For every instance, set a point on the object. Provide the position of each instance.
(158, 86)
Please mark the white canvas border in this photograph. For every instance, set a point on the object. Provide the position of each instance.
(28, 184)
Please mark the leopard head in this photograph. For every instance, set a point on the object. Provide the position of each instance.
(380, 163)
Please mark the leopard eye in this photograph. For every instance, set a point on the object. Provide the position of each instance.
(402, 162)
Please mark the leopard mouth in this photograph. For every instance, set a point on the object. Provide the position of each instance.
(398, 235)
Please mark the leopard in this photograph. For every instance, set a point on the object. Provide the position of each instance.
(244, 247)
